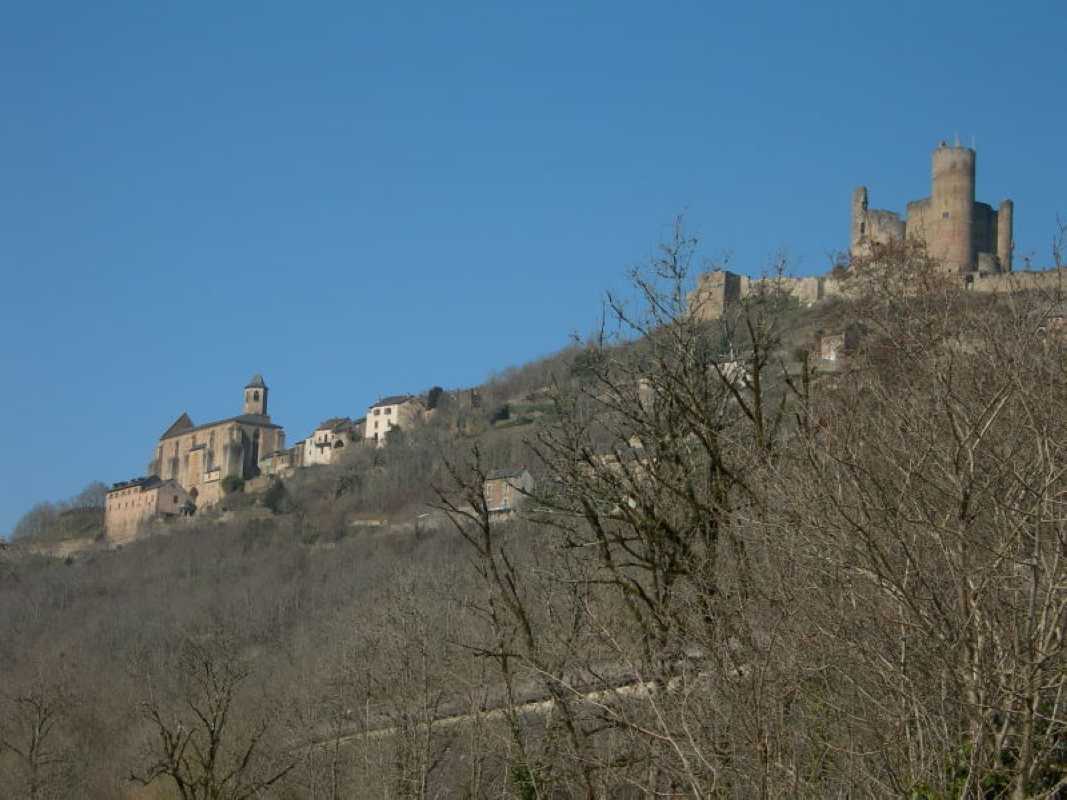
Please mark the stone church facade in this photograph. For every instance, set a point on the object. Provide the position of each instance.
(199, 457)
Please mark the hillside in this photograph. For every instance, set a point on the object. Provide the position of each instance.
(739, 566)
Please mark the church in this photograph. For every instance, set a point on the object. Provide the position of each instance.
(199, 457)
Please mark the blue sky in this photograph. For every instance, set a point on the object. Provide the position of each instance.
(365, 199)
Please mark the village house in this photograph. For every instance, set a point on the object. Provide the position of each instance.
(199, 457)
(506, 489)
(130, 503)
(1054, 325)
(832, 348)
(399, 411)
(281, 462)
(327, 443)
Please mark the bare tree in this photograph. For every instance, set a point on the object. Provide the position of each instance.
(33, 720)
(202, 744)
(926, 516)
(648, 480)
(35, 522)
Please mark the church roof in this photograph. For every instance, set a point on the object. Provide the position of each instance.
(180, 425)
(256, 382)
(259, 420)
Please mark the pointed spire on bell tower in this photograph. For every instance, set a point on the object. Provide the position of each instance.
(256, 396)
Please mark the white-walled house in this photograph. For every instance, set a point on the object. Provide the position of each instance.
(396, 411)
(327, 443)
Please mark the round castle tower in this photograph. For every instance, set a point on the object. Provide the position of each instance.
(951, 231)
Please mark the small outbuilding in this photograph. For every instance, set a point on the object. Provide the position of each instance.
(506, 489)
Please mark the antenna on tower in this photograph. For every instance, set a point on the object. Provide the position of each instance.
(957, 138)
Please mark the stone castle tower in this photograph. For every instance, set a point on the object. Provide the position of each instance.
(964, 235)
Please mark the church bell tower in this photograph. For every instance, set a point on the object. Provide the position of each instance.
(256, 396)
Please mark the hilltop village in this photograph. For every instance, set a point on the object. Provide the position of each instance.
(194, 466)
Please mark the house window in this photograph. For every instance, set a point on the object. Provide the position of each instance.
(377, 411)
(389, 410)
(255, 395)
(944, 215)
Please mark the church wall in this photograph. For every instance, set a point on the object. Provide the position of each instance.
(220, 453)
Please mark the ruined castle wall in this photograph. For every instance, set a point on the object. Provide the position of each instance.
(714, 292)
(858, 219)
(1005, 234)
(807, 290)
(918, 214)
(884, 227)
(984, 232)
(872, 225)
(1053, 280)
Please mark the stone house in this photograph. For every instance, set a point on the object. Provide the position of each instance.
(506, 489)
(396, 411)
(198, 457)
(327, 443)
(130, 503)
(280, 462)
(831, 347)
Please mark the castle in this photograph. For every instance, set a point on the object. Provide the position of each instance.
(963, 235)
(967, 238)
